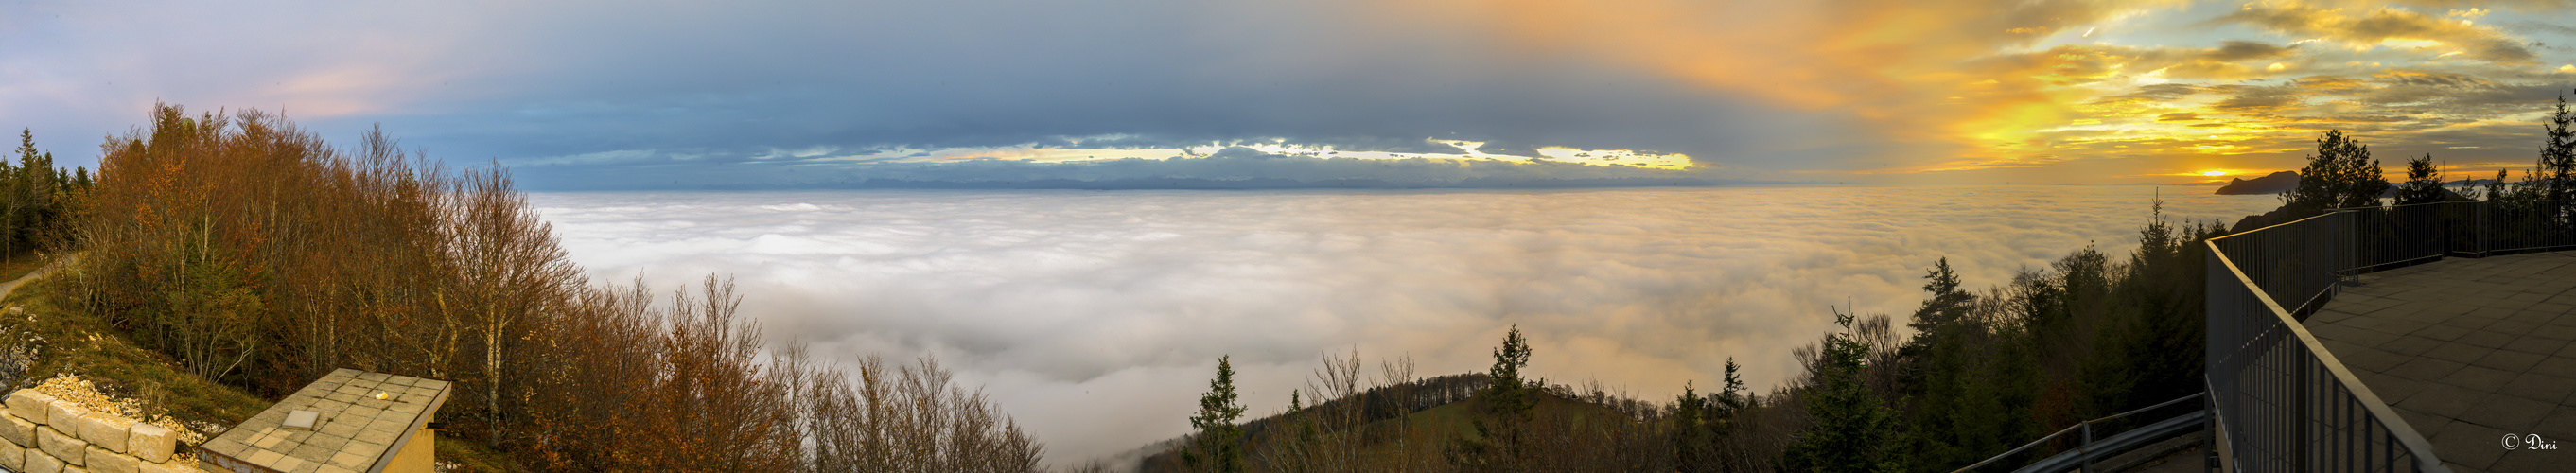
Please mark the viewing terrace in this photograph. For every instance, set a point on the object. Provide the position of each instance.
(2467, 351)
(2409, 338)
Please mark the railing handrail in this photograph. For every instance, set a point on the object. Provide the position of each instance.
(2446, 202)
(2405, 434)
(2179, 400)
(2082, 457)
(2332, 211)
(2080, 424)
(2214, 240)
(2027, 446)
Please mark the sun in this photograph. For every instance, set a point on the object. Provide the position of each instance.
(2213, 173)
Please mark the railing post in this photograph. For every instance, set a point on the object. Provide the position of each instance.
(2087, 446)
(2209, 448)
(2299, 425)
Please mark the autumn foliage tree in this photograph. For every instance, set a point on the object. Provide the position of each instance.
(256, 254)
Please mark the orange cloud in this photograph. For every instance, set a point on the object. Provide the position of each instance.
(2387, 27)
(2004, 84)
(1924, 72)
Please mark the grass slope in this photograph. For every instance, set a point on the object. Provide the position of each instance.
(77, 342)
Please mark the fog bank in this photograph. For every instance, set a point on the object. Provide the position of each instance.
(1095, 318)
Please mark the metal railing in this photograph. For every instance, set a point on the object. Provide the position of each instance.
(2402, 235)
(2083, 455)
(2282, 401)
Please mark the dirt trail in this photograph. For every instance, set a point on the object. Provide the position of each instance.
(12, 285)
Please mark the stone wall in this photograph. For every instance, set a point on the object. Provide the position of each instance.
(41, 434)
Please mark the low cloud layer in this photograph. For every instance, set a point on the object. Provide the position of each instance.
(1096, 317)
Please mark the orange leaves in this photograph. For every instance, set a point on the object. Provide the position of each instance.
(244, 241)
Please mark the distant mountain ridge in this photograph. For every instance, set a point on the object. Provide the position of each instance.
(1258, 183)
(2273, 184)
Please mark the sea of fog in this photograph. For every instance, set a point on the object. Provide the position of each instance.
(1096, 317)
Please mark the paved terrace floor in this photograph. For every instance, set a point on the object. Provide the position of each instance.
(2468, 350)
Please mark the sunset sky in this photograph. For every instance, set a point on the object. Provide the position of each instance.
(580, 95)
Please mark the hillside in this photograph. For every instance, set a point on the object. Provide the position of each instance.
(1417, 436)
(53, 343)
(231, 259)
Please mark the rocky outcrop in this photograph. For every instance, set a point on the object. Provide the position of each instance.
(2272, 184)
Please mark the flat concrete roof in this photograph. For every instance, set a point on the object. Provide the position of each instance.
(2468, 350)
(356, 431)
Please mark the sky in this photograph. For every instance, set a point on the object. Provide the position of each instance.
(643, 95)
(1096, 318)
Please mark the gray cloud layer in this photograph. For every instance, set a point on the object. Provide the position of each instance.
(1232, 168)
(724, 83)
(1096, 317)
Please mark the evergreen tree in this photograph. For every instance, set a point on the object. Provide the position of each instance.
(1692, 434)
(1732, 400)
(2340, 175)
(1945, 303)
(2423, 183)
(2496, 189)
(1510, 394)
(1854, 431)
(26, 151)
(2557, 171)
(1218, 447)
(1506, 406)
(1699, 422)
(17, 188)
(1957, 418)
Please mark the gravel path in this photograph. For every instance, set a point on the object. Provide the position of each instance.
(12, 285)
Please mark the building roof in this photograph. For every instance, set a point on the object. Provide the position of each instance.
(360, 419)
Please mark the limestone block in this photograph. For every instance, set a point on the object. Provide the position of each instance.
(152, 443)
(166, 467)
(62, 447)
(12, 457)
(30, 405)
(18, 431)
(62, 414)
(39, 462)
(103, 461)
(105, 431)
(75, 469)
